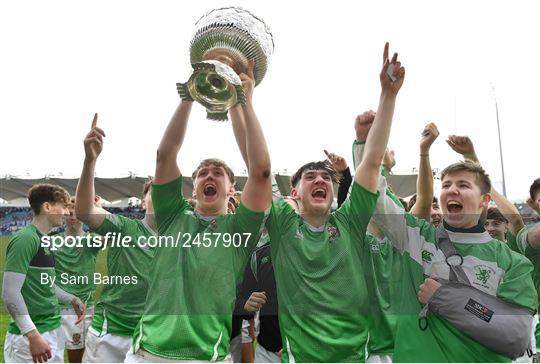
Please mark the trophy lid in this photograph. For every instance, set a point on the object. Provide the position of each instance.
(237, 32)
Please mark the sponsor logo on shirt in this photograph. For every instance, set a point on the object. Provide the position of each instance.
(427, 256)
(374, 248)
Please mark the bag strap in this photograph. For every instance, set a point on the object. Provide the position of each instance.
(453, 258)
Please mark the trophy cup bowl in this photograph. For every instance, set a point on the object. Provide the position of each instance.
(225, 40)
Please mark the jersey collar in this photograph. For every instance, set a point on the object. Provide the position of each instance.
(475, 235)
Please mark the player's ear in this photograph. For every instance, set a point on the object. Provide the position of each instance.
(294, 192)
(486, 198)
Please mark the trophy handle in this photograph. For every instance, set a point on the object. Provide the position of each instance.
(184, 92)
(241, 96)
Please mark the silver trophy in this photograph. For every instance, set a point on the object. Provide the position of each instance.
(225, 40)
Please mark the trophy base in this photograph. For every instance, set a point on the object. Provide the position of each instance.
(214, 85)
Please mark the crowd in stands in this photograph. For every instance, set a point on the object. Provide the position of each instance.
(12, 219)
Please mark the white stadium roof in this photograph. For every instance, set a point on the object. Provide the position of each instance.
(13, 189)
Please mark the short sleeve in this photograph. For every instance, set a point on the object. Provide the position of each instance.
(168, 202)
(281, 218)
(250, 224)
(517, 285)
(359, 208)
(512, 242)
(521, 239)
(20, 252)
(113, 224)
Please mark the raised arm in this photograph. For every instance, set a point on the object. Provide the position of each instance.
(239, 129)
(424, 183)
(509, 211)
(166, 166)
(367, 173)
(464, 146)
(85, 207)
(257, 194)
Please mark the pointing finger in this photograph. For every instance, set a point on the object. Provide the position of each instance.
(385, 52)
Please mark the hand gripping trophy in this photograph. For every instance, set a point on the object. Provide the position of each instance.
(225, 40)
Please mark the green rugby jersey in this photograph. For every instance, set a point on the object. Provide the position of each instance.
(522, 246)
(382, 268)
(75, 267)
(322, 293)
(490, 265)
(189, 308)
(121, 304)
(25, 255)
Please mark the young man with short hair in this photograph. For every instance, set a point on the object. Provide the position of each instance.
(75, 265)
(29, 292)
(122, 300)
(193, 285)
(496, 224)
(488, 264)
(529, 236)
(317, 254)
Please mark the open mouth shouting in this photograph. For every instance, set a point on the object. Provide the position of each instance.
(454, 207)
(210, 190)
(319, 194)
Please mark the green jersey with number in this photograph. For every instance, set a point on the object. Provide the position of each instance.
(122, 300)
(322, 293)
(490, 265)
(382, 268)
(75, 267)
(25, 255)
(193, 283)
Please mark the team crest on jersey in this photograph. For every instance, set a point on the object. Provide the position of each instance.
(483, 274)
(46, 251)
(375, 248)
(265, 259)
(333, 233)
(427, 256)
(76, 338)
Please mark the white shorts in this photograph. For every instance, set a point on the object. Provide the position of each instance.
(246, 338)
(264, 356)
(143, 356)
(75, 335)
(379, 359)
(106, 348)
(17, 350)
(235, 348)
